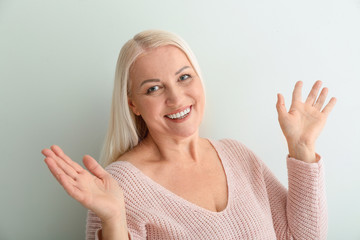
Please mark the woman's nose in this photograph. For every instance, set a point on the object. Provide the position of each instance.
(174, 96)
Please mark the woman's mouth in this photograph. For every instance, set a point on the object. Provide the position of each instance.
(180, 115)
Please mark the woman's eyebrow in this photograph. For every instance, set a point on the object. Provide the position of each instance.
(149, 80)
(158, 80)
(181, 69)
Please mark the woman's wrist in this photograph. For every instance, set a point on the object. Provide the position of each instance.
(302, 152)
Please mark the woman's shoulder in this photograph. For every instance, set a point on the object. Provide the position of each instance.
(126, 156)
(132, 161)
(236, 151)
(126, 174)
(228, 144)
(118, 168)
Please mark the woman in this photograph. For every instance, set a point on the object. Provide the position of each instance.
(176, 185)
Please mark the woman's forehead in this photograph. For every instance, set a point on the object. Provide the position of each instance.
(159, 60)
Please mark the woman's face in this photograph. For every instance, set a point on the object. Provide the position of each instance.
(166, 91)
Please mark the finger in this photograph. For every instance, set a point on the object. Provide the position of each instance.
(56, 171)
(53, 167)
(94, 167)
(70, 187)
(327, 109)
(313, 93)
(48, 153)
(296, 96)
(67, 182)
(60, 153)
(61, 164)
(280, 105)
(320, 101)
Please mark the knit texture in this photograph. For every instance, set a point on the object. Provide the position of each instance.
(259, 207)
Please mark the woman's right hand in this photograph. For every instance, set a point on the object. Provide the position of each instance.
(98, 192)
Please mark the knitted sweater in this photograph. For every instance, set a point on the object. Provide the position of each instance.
(259, 207)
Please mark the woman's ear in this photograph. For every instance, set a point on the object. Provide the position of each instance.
(133, 107)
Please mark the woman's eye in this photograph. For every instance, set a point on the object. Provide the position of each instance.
(184, 77)
(152, 89)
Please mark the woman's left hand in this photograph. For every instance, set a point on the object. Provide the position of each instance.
(304, 121)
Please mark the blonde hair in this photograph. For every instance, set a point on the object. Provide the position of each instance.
(125, 129)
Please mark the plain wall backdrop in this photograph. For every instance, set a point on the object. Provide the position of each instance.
(57, 64)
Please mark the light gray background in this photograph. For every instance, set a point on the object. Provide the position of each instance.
(57, 62)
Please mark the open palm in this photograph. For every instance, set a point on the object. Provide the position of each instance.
(305, 120)
(98, 192)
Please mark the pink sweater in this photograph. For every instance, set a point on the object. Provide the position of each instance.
(259, 207)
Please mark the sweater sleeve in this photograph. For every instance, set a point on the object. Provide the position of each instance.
(93, 227)
(135, 222)
(299, 212)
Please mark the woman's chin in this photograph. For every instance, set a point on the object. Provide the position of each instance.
(187, 133)
(180, 134)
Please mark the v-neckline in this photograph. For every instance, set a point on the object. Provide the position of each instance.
(182, 200)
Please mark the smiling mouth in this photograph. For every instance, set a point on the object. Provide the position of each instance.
(180, 115)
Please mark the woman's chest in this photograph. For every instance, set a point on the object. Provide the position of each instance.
(207, 189)
(204, 186)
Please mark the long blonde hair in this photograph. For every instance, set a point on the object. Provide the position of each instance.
(125, 129)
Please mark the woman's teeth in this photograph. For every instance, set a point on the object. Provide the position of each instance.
(179, 115)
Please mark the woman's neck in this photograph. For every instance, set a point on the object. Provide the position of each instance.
(176, 150)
